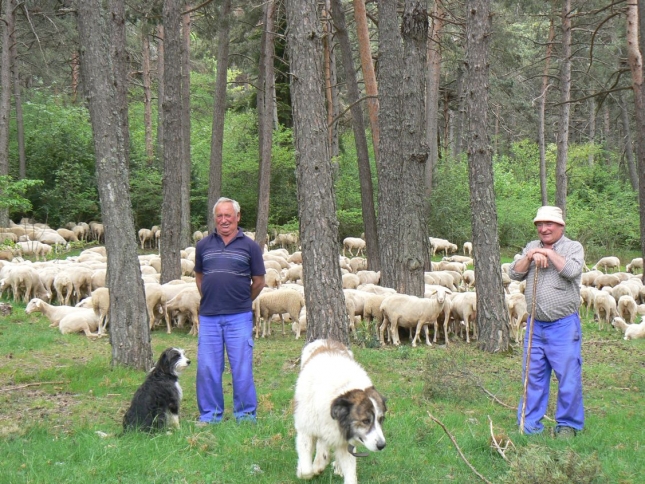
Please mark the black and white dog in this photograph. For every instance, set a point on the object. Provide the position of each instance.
(155, 404)
(336, 408)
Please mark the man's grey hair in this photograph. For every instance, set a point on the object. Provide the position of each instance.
(236, 206)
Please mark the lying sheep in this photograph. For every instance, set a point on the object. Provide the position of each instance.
(632, 331)
(276, 302)
(411, 312)
(604, 308)
(607, 263)
(53, 313)
(627, 308)
(353, 243)
(84, 320)
(636, 263)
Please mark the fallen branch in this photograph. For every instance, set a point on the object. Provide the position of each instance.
(506, 405)
(503, 440)
(458, 449)
(35, 384)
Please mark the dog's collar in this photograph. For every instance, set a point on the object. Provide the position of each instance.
(351, 449)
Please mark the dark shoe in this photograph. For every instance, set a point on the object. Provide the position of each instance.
(563, 432)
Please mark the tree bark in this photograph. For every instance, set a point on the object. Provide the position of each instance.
(390, 160)
(631, 165)
(542, 115)
(129, 331)
(331, 80)
(147, 91)
(120, 61)
(172, 145)
(367, 66)
(433, 79)
(219, 113)
(491, 310)
(185, 229)
(17, 99)
(326, 313)
(161, 72)
(639, 93)
(565, 111)
(7, 26)
(360, 139)
(266, 87)
(592, 130)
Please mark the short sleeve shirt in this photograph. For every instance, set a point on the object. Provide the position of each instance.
(227, 271)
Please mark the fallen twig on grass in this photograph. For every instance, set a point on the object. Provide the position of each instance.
(454, 442)
(499, 440)
(35, 384)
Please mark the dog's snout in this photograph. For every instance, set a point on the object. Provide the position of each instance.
(381, 445)
(188, 362)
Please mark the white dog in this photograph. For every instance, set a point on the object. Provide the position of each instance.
(336, 408)
(156, 403)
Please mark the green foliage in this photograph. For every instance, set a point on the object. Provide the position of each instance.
(12, 193)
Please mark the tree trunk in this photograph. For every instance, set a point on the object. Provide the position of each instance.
(185, 229)
(639, 93)
(565, 111)
(129, 331)
(389, 161)
(491, 310)
(172, 145)
(413, 244)
(542, 115)
(360, 139)
(324, 298)
(120, 65)
(631, 165)
(459, 116)
(592, 130)
(17, 98)
(7, 26)
(161, 72)
(331, 80)
(147, 91)
(219, 113)
(433, 79)
(266, 87)
(363, 37)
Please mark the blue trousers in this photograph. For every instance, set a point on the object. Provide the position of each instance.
(556, 346)
(232, 333)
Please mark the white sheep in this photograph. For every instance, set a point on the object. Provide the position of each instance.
(350, 281)
(627, 308)
(185, 305)
(353, 243)
(64, 287)
(517, 313)
(67, 234)
(145, 238)
(53, 313)
(441, 278)
(632, 331)
(272, 278)
(469, 279)
(297, 327)
(468, 248)
(607, 263)
(467, 261)
(604, 308)
(24, 277)
(277, 258)
(463, 309)
(295, 258)
(589, 278)
(372, 309)
(636, 263)
(285, 240)
(294, 274)
(84, 320)
(411, 312)
(357, 264)
(101, 306)
(374, 289)
(444, 245)
(33, 247)
(444, 265)
(369, 277)
(276, 302)
(156, 303)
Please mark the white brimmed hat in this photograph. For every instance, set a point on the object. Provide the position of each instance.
(549, 214)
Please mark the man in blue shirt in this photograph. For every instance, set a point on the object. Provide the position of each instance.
(229, 273)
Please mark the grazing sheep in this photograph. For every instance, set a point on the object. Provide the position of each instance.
(442, 245)
(411, 312)
(589, 278)
(466, 261)
(64, 287)
(444, 265)
(293, 274)
(635, 264)
(33, 247)
(285, 240)
(607, 263)
(185, 305)
(353, 243)
(517, 313)
(604, 280)
(372, 309)
(53, 313)
(627, 308)
(369, 277)
(84, 320)
(442, 278)
(468, 248)
(357, 264)
(82, 281)
(604, 308)
(24, 277)
(272, 278)
(295, 258)
(68, 235)
(632, 331)
(156, 303)
(297, 327)
(101, 306)
(276, 302)
(350, 281)
(277, 258)
(469, 279)
(463, 308)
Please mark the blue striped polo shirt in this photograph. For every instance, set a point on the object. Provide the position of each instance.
(227, 272)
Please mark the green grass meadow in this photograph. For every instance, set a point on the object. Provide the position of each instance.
(61, 406)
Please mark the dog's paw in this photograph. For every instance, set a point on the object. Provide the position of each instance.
(305, 475)
(337, 470)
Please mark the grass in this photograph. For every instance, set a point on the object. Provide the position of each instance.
(61, 406)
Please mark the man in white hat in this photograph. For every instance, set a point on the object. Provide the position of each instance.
(557, 336)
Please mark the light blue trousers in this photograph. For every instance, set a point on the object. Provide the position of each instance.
(232, 333)
(556, 346)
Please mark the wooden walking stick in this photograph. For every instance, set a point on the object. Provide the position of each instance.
(528, 352)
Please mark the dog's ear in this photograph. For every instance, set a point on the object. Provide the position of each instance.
(164, 361)
(340, 408)
(372, 393)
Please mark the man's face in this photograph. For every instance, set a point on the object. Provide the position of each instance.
(549, 232)
(225, 219)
